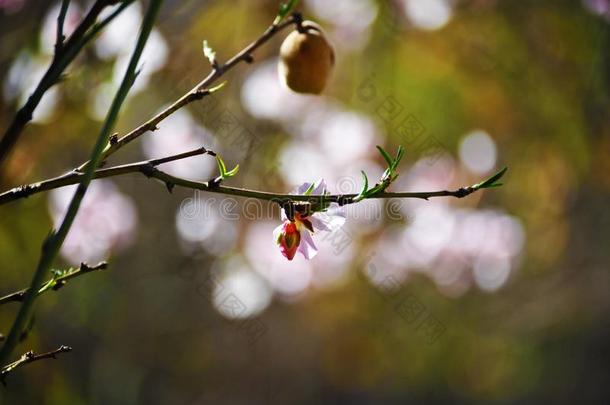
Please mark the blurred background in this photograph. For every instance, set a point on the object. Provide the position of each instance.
(501, 297)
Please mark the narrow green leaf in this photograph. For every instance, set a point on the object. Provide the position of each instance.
(386, 173)
(385, 155)
(217, 87)
(399, 154)
(365, 187)
(232, 172)
(284, 9)
(491, 182)
(222, 168)
(309, 189)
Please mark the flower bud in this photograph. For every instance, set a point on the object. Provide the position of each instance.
(306, 59)
(289, 239)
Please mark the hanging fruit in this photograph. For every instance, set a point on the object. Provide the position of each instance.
(306, 59)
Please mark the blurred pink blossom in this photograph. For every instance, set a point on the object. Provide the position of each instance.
(106, 222)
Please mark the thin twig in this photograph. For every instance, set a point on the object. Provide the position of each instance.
(61, 18)
(54, 241)
(31, 357)
(54, 283)
(61, 59)
(282, 199)
(74, 177)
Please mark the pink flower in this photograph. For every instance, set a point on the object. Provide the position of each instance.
(296, 235)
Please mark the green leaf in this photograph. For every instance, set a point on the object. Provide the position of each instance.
(217, 87)
(491, 182)
(309, 189)
(222, 168)
(232, 172)
(385, 155)
(399, 154)
(209, 52)
(284, 9)
(365, 187)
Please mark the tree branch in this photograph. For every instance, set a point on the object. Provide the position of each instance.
(282, 199)
(149, 168)
(54, 241)
(30, 357)
(55, 283)
(63, 56)
(74, 177)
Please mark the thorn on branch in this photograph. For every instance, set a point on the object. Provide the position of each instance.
(148, 169)
(170, 186)
(248, 58)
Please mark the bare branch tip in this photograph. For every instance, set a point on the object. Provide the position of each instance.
(30, 357)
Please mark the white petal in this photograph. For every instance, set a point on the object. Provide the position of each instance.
(301, 189)
(318, 223)
(327, 222)
(278, 231)
(336, 210)
(319, 188)
(307, 247)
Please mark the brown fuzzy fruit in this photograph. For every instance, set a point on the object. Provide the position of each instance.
(306, 59)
